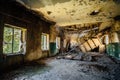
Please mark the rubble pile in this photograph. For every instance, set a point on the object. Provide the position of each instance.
(76, 54)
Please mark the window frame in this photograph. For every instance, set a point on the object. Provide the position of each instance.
(58, 42)
(45, 42)
(23, 33)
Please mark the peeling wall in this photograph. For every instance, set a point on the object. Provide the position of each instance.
(71, 12)
(17, 15)
(34, 31)
(53, 33)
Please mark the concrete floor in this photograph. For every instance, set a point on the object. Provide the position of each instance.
(61, 69)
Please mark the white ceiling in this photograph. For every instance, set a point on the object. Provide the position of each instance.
(71, 12)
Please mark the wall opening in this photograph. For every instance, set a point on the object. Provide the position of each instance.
(45, 41)
(58, 42)
(14, 40)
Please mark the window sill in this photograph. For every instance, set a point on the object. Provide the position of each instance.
(45, 50)
(13, 54)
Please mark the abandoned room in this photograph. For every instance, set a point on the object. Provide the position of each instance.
(59, 39)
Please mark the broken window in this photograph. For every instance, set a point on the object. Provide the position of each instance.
(14, 41)
(45, 41)
(58, 42)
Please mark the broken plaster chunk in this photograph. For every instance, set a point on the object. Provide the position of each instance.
(68, 57)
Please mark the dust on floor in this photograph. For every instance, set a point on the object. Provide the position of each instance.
(103, 68)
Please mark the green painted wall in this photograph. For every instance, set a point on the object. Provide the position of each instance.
(113, 49)
(53, 50)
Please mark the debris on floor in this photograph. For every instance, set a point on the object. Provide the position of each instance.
(76, 54)
(104, 68)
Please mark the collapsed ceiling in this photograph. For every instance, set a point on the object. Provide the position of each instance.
(73, 12)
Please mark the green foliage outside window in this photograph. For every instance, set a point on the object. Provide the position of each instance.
(7, 44)
(17, 40)
(12, 40)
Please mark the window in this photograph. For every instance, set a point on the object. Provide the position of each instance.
(14, 41)
(58, 42)
(64, 43)
(45, 41)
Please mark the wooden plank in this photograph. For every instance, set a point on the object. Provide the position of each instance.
(92, 45)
